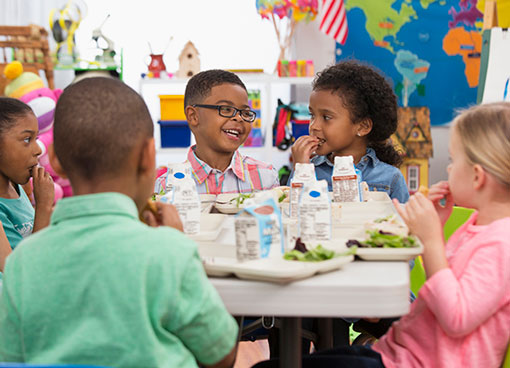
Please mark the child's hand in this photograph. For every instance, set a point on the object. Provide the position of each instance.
(303, 149)
(44, 189)
(167, 216)
(437, 192)
(421, 218)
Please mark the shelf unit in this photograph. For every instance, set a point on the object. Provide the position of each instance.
(271, 88)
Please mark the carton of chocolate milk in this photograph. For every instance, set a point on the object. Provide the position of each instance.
(345, 180)
(259, 232)
(303, 173)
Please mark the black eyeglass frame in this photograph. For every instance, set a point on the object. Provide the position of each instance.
(236, 111)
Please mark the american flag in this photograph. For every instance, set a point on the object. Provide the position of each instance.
(334, 20)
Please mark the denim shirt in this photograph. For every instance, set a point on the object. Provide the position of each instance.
(378, 175)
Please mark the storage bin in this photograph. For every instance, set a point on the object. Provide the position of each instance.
(172, 107)
(174, 133)
(300, 127)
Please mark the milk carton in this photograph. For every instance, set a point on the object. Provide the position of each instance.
(259, 232)
(184, 197)
(303, 173)
(315, 211)
(176, 171)
(345, 180)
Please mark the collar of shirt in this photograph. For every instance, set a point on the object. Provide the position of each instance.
(94, 205)
(202, 170)
(369, 158)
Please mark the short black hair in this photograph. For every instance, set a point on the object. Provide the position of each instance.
(98, 122)
(200, 85)
(366, 94)
(10, 110)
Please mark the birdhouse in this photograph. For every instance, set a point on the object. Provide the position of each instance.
(414, 140)
(189, 62)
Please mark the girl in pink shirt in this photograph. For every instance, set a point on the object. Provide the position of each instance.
(461, 317)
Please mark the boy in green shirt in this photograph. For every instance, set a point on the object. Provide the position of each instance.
(98, 286)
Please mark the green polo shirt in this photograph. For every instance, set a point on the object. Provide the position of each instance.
(99, 287)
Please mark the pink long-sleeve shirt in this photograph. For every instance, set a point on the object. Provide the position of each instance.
(461, 317)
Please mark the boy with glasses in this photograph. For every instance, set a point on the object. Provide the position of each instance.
(218, 114)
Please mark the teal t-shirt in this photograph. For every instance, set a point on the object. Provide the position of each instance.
(98, 287)
(17, 217)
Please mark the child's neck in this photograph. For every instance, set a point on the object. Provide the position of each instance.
(356, 152)
(7, 189)
(217, 160)
(490, 211)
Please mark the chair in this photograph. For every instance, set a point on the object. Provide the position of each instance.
(506, 361)
(29, 45)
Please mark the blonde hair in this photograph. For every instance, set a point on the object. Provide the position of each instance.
(484, 132)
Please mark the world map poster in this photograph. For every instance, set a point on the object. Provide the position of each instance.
(430, 49)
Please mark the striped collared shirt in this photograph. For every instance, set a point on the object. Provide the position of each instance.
(244, 174)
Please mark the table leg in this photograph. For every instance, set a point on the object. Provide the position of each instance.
(325, 334)
(290, 342)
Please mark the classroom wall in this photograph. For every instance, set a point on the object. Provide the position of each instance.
(251, 42)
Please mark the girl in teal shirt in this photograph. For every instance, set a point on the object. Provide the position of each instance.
(19, 153)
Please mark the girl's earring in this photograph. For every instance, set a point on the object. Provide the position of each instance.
(358, 134)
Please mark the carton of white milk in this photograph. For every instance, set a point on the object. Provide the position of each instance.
(303, 173)
(345, 180)
(176, 171)
(259, 232)
(185, 198)
(315, 211)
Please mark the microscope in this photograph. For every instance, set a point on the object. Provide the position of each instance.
(108, 54)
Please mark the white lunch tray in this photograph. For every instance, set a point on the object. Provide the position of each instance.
(272, 270)
(220, 261)
(342, 234)
(210, 226)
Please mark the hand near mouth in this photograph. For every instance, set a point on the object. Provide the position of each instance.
(304, 148)
(44, 189)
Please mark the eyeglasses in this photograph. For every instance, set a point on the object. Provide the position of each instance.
(231, 111)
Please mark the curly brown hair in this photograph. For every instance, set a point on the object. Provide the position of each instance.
(367, 95)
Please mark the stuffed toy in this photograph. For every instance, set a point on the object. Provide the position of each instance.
(29, 88)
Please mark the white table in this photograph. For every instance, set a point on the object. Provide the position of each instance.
(359, 289)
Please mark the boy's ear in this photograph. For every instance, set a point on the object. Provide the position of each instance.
(191, 116)
(147, 161)
(55, 163)
(365, 127)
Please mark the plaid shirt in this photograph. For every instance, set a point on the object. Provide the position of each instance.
(244, 174)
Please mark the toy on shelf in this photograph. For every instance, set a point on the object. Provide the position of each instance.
(288, 13)
(29, 88)
(156, 67)
(63, 24)
(108, 53)
(189, 62)
(295, 68)
(256, 138)
(414, 140)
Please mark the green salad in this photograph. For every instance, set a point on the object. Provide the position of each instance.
(381, 239)
(239, 200)
(317, 254)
